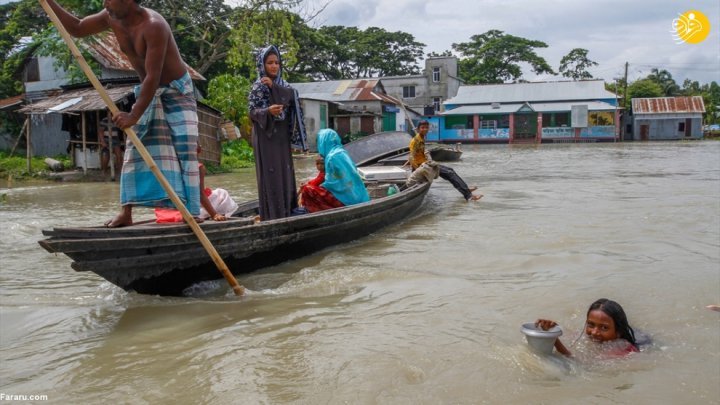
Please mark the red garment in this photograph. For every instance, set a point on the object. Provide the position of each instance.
(622, 351)
(165, 215)
(317, 181)
(315, 198)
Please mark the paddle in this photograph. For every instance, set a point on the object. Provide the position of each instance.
(407, 116)
(237, 288)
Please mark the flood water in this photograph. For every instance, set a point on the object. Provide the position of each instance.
(427, 311)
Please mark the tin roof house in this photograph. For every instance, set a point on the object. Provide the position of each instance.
(66, 118)
(667, 118)
(358, 106)
(567, 111)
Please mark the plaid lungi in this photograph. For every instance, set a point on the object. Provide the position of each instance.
(169, 131)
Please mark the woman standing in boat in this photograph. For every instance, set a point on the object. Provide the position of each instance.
(277, 126)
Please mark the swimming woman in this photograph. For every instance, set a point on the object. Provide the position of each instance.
(605, 322)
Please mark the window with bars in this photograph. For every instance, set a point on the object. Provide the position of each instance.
(436, 74)
(408, 91)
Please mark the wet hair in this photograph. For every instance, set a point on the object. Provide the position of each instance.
(616, 312)
(423, 122)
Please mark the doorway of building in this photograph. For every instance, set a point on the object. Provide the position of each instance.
(388, 121)
(525, 127)
(644, 132)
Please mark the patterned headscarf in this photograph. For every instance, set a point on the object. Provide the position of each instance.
(260, 98)
(260, 64)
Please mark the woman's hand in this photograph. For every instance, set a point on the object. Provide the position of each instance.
(219, 217)
(267, 81)
(545, 324)
(275, 109)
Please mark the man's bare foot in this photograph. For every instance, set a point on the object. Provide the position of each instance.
(120, 220)
(713, 307)
(124, 218)
(472, 189)
(475, 197)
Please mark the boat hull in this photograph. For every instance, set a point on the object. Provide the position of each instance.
(165, 260)
(445, 154)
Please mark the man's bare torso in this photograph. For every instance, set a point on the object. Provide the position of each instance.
(133, 42)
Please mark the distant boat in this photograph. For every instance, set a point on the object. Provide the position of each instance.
(446, 154)
(165, 259)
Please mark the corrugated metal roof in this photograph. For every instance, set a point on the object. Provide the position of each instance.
(89, 100)
(537, 107)
(11, 101)
(531, 92)
(344, 90)
(106, 50)
(664, 105)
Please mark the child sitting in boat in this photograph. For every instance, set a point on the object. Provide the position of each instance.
(214, 204)
(605, 323)
(316, 197)
(338, 184)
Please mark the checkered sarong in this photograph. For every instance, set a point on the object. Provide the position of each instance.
(169, 131)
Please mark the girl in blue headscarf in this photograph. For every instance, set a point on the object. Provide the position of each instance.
(277, 126)
(342, 180)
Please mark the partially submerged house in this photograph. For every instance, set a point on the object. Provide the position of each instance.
(80, 112)
(569, 111)
(351, 107)
(667, 118)
(65, 118)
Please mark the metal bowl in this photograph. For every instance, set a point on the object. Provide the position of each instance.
(541, 341)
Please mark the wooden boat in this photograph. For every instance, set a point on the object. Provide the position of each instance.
(399, 143)
(165, 259)
(446, 154)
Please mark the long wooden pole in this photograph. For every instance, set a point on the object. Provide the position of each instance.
(237, 288)
(20, 136)
(28, 149)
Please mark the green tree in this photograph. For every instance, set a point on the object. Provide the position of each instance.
(382, 53)
(643, 88)
(201, 29)
(229, 94)
(443, 53)
(316, 50)
(495, 57)
(576, 63)
(337, 52)
(666, 82)
(272, 25)
(17, 20)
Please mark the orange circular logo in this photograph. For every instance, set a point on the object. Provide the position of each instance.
(691, 27)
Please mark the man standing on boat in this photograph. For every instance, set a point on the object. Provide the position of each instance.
(164, 115)
(418, 157)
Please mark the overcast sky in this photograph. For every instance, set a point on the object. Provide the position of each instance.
(613, 31)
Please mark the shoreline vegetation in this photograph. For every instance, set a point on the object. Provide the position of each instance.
(236, 155)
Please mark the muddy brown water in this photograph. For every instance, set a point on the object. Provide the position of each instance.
(424, 312)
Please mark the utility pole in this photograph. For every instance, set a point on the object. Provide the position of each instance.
(625, 90)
